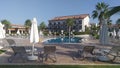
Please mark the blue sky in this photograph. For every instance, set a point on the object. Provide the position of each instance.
(17, 11)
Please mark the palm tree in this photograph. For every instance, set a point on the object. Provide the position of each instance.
(100, 11)
(103, 12)
(70, 23)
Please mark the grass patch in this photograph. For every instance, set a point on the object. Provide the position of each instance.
(60, 66)
(2, 51)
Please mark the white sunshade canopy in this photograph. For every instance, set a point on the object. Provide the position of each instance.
(18, 32)
(2, 34)
(119, 33)
(2, 31)
(114, 33)
(34, 36)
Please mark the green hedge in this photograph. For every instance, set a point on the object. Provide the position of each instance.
(1, 51)
(96, 36)
(59, 66)
(80, 33)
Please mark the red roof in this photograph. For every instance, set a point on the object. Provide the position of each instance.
(17, 26)
(81, 16)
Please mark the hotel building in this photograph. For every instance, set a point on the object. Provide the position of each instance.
(59, 23)
(17, 29)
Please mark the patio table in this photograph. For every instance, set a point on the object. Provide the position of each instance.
(29, 51)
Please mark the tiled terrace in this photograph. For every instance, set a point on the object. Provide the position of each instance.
(66, 53)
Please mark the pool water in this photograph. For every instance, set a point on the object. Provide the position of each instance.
(64, 40)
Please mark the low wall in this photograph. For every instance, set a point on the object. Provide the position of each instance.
(83, 36)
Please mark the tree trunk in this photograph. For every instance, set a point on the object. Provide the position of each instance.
(69, 34)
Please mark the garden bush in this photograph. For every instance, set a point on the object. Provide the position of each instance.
(80, 33)
(2, 51)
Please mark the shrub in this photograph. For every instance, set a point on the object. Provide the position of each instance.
(1, 51)
(80, 33)
(96, 36)
(45, 33)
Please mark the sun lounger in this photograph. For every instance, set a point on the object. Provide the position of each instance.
(49, 50)
(87, 51)
(110, 55)
(17, 50)
(11, 42)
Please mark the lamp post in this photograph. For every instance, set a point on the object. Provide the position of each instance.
(55, 34)
(50, 32)
(62, 32)
(71, 33)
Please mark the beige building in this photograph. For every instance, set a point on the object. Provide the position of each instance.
(17, 29)
(59, 23)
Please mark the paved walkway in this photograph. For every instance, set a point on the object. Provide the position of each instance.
(66, 53)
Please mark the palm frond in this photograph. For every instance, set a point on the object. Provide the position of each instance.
(98, 6)
(95, 14)
(113, 11)
(101, 16)
(104, 5)
(70, 22)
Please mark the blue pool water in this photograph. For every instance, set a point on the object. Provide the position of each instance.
(64, 40)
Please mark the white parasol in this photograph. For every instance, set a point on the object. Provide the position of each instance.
(18, 32)
(119, 33)
(34, 37)
(114, 33)
(2, 33)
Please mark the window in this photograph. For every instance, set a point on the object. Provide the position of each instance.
(49, 23)
(54, 23)
(63, 22)
(80, 27)
(80, 21)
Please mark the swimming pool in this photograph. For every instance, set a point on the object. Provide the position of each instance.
(64, 40)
